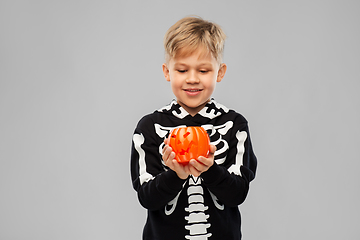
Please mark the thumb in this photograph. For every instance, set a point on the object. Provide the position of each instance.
(212, 150)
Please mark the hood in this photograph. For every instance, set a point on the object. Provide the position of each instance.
(211, 110)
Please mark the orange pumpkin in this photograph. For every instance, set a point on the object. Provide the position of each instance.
(189, 143)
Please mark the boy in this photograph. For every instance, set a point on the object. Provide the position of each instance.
(199, 200)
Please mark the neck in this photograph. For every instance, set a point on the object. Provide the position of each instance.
(193, 110)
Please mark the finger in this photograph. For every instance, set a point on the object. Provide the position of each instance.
(164, 149)
(168, 154)
(200, 167)
(186, 169)
(172, 155)
(203, 162)
(169, 161)
(194, 171)
(212, 150)
(175, 165)
(180, 169)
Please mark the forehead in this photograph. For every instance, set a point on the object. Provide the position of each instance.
(200, 54)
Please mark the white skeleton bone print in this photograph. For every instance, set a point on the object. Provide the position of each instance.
(197, 219)
(220, 143)
(194, 208)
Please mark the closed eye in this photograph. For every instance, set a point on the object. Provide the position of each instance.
(181, 71)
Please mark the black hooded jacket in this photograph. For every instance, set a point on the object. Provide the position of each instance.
(196, 208)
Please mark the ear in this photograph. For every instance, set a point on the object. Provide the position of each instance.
(166, 72)
(221, 72)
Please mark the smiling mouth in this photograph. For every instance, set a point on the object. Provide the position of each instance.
(193, 90)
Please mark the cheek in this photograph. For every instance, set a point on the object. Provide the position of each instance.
(175, 85)
(175, 82)
(176, 88)
(210, 82)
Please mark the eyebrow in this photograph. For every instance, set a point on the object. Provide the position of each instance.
(200, 65)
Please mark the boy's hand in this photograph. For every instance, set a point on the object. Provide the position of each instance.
(202, 164)
(195, 167)
(182, 171)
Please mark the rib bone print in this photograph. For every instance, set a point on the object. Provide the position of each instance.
(223, 129)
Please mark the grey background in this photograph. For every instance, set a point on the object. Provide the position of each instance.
(76, 76)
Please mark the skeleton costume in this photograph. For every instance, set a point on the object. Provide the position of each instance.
(199, 208)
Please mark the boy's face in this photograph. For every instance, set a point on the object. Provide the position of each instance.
(193, 79)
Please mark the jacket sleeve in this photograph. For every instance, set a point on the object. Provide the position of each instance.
(229, 181)
(155, 184)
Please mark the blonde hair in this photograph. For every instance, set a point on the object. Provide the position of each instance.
(190, 34)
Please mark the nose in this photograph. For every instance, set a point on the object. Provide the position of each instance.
(192, 77)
